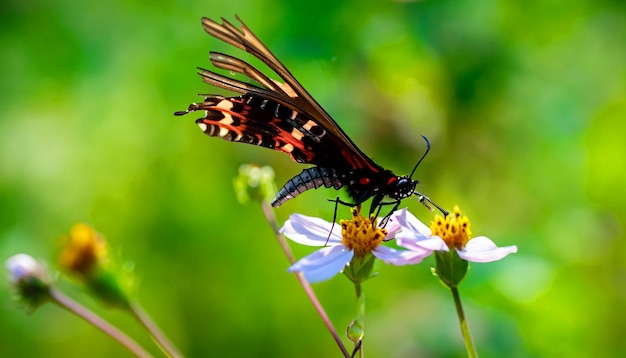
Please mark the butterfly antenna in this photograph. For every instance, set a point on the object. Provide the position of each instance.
(423, 156)
(427, 203)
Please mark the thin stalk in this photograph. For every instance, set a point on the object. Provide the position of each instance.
(157, 334)
(81, 311)
(360, 318)
(271, 219)
(467, 335)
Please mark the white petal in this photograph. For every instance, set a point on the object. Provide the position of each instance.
(323, 263)
(395, 216)
(311, 231)
(482, 249)
(400, 257)
(393, 226)
(417, 243)
(21, 266)
(410, 224)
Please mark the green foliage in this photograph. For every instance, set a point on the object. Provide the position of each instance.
(523, 103)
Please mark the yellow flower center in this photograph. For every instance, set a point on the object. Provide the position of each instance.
(453, 229)
(83, 251)
(361, 235)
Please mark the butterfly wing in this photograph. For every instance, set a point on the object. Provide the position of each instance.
(287, 118)
(264, 122)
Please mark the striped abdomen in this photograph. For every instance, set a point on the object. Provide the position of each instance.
(311, 178)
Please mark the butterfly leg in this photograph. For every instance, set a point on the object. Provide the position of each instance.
(337, 201)
(376, 205)
(334, 218)
(385, 220)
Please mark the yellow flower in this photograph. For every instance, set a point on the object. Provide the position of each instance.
(453, 229)
(85, 250)
(362, 235)
(86, 256)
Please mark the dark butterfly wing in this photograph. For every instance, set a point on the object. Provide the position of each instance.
(329, 146)
(259, 121)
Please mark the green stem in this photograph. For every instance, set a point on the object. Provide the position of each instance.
(360, 317)
(467, 335)
(271, 219)
(81, 311)
(161, 339)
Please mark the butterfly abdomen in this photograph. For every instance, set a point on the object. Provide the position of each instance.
(311, 178)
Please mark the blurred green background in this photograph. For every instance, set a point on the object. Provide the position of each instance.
(524, 104)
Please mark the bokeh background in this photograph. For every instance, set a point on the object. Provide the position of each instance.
(524, 104)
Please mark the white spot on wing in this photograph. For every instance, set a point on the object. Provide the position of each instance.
(288, 148)
(309, 124)
(223, 132)
(225, 104)
(297, 134)
(202, 126)
(227, 120)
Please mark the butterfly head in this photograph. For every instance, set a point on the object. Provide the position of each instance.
(402, 188)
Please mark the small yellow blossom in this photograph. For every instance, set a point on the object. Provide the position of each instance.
(453, 229)
(85, 249)
(362, 235)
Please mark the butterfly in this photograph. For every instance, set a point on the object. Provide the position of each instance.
(286, 118)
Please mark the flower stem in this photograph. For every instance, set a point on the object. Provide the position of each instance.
(160, 338)
(467, 336)
(359, 321)
(81, 311)
(271, 219)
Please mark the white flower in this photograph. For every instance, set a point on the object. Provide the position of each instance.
(454, 230)
(30, 278)
(352, 237)
(22, 267)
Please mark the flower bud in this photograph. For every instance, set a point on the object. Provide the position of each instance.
(30, 278)
(254, 183)
(85, 256)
